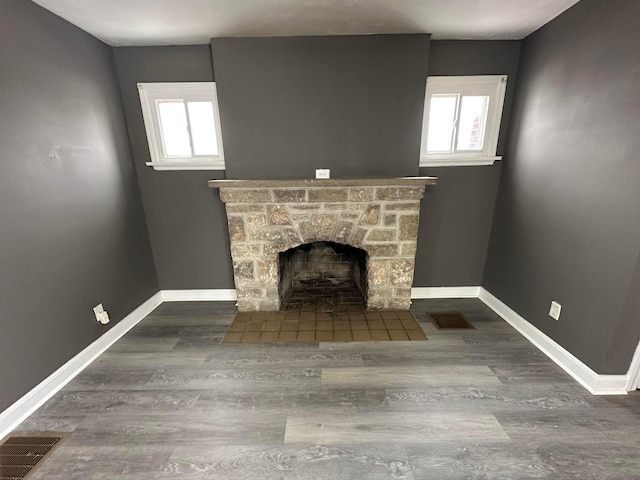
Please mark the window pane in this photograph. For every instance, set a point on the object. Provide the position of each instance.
(203, 128)
(442, 113)
(473, 114)
(173, 124)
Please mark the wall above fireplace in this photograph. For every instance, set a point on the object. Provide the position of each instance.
(267, 217)
(289, 105)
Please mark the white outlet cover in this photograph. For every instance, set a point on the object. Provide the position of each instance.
(101, 315)
(323, 173)
(104, 318)
(554, 311)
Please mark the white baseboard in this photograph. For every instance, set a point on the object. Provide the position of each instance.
(212, 295)
(229, 294)
(445, 292)
(20, 410)
(633, 375)
(585, 376)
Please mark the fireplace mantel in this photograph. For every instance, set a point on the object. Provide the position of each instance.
(329, 182)
(377, 215)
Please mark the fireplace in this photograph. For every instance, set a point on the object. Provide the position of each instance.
(322, 274)
(376, 216)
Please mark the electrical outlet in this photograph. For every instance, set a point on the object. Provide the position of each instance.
(323, 173)
(101, 314)
(554, 311)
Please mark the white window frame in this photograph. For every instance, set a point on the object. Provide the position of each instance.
(150, 93)
(494, 86)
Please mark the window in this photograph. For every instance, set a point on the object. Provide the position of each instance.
(183, 125)
(461, 120)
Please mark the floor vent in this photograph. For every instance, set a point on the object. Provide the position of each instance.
(446, 321)
(21, 454)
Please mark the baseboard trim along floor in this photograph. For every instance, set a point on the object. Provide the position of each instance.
(595, 383)
(585, 376)
(30, 402)
(210, 295)
(445, 292)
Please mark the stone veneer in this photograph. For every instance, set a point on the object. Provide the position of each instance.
(267, 217)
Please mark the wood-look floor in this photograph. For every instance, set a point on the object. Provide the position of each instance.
(169, 401)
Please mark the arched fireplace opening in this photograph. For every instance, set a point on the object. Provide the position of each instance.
(323, 274)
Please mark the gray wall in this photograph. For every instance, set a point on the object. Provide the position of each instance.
(456, 215)
(73, 231)
(186, 219)
(566, 225)
(289, 105)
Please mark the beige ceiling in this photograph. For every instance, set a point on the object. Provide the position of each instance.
(182, 22)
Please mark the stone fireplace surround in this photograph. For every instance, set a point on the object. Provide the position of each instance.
(266, 217)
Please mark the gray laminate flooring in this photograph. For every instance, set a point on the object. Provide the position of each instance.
(169, 401)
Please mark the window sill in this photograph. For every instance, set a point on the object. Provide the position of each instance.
(160, 166)
(457, 161)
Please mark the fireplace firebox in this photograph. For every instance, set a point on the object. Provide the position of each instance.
(323, 274)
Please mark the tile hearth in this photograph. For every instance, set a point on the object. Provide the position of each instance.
(345, 323)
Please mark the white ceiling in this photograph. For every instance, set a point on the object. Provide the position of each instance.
(183, 22)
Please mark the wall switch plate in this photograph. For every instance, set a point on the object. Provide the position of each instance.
(323, 173)
(554, 311)
(101, 314)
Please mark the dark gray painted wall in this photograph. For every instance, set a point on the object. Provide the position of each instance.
(625, 336)
(456, 215)
(566, 225)
(289, 105)
(186, 219)
(72, 226)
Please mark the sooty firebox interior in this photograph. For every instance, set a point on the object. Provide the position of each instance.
(323, 274)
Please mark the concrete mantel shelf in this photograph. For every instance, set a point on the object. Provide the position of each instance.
(329, 182)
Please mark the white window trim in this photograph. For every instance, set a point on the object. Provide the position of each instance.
(149, 93)
(492, 85)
